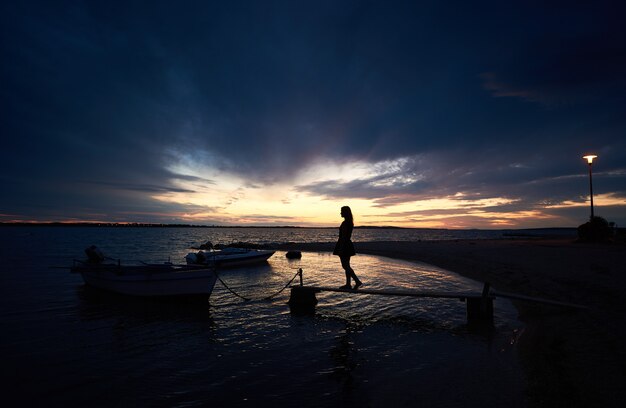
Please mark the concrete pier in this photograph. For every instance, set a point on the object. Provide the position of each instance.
(479, 305)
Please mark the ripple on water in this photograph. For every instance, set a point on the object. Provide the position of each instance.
(73, 345)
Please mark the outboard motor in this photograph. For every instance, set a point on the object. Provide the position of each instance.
(191, 258)
(201, 257)
(94, 255)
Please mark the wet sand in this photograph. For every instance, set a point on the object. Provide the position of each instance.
(572, 357)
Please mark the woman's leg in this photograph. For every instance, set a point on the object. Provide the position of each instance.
(345, 263)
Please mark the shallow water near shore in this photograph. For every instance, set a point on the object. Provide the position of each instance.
(68, 344)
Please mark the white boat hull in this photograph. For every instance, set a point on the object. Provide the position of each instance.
(242, 259)
(168, 283)
(231, 257)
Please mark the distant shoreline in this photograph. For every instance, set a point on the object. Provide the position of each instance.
(157, 225)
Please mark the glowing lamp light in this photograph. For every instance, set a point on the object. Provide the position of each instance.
(590, 158)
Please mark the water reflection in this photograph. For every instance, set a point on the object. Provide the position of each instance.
(259, 281)
(71, 345)
(96, 304)
(344, 355)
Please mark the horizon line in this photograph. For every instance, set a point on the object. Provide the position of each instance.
(182, 225)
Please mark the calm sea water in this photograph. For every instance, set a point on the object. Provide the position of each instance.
(65, 344)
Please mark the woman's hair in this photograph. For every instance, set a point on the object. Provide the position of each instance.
(347, 213)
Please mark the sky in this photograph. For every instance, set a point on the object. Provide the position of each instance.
(414, 113)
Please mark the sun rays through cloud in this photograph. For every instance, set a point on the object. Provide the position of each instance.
(268, 113)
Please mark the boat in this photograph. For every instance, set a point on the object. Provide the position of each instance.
(228, 257)
(147, 280)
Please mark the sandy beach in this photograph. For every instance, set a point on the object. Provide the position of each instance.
(571, 357)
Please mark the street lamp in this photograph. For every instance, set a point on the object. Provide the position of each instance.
(590, 158)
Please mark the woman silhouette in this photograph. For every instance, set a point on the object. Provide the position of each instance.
(345, 248)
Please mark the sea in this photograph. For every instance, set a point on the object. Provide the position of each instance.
(65, 344)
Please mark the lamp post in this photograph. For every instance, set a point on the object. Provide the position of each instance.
(590, 158)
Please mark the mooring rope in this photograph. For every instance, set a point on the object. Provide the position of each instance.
(264, 298)
(284, 287)
(230, 290)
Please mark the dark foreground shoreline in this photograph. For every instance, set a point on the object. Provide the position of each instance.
(572, 357)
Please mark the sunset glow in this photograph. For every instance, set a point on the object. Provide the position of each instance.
(275, 114)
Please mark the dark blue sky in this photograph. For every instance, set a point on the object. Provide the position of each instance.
(184, 111)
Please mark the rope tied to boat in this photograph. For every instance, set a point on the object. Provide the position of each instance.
(284, 287)
(230, 290)
(264, 298)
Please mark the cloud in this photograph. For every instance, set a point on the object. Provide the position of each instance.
(502, 89)
(577, 57)
(142, 188)
(105, 107)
